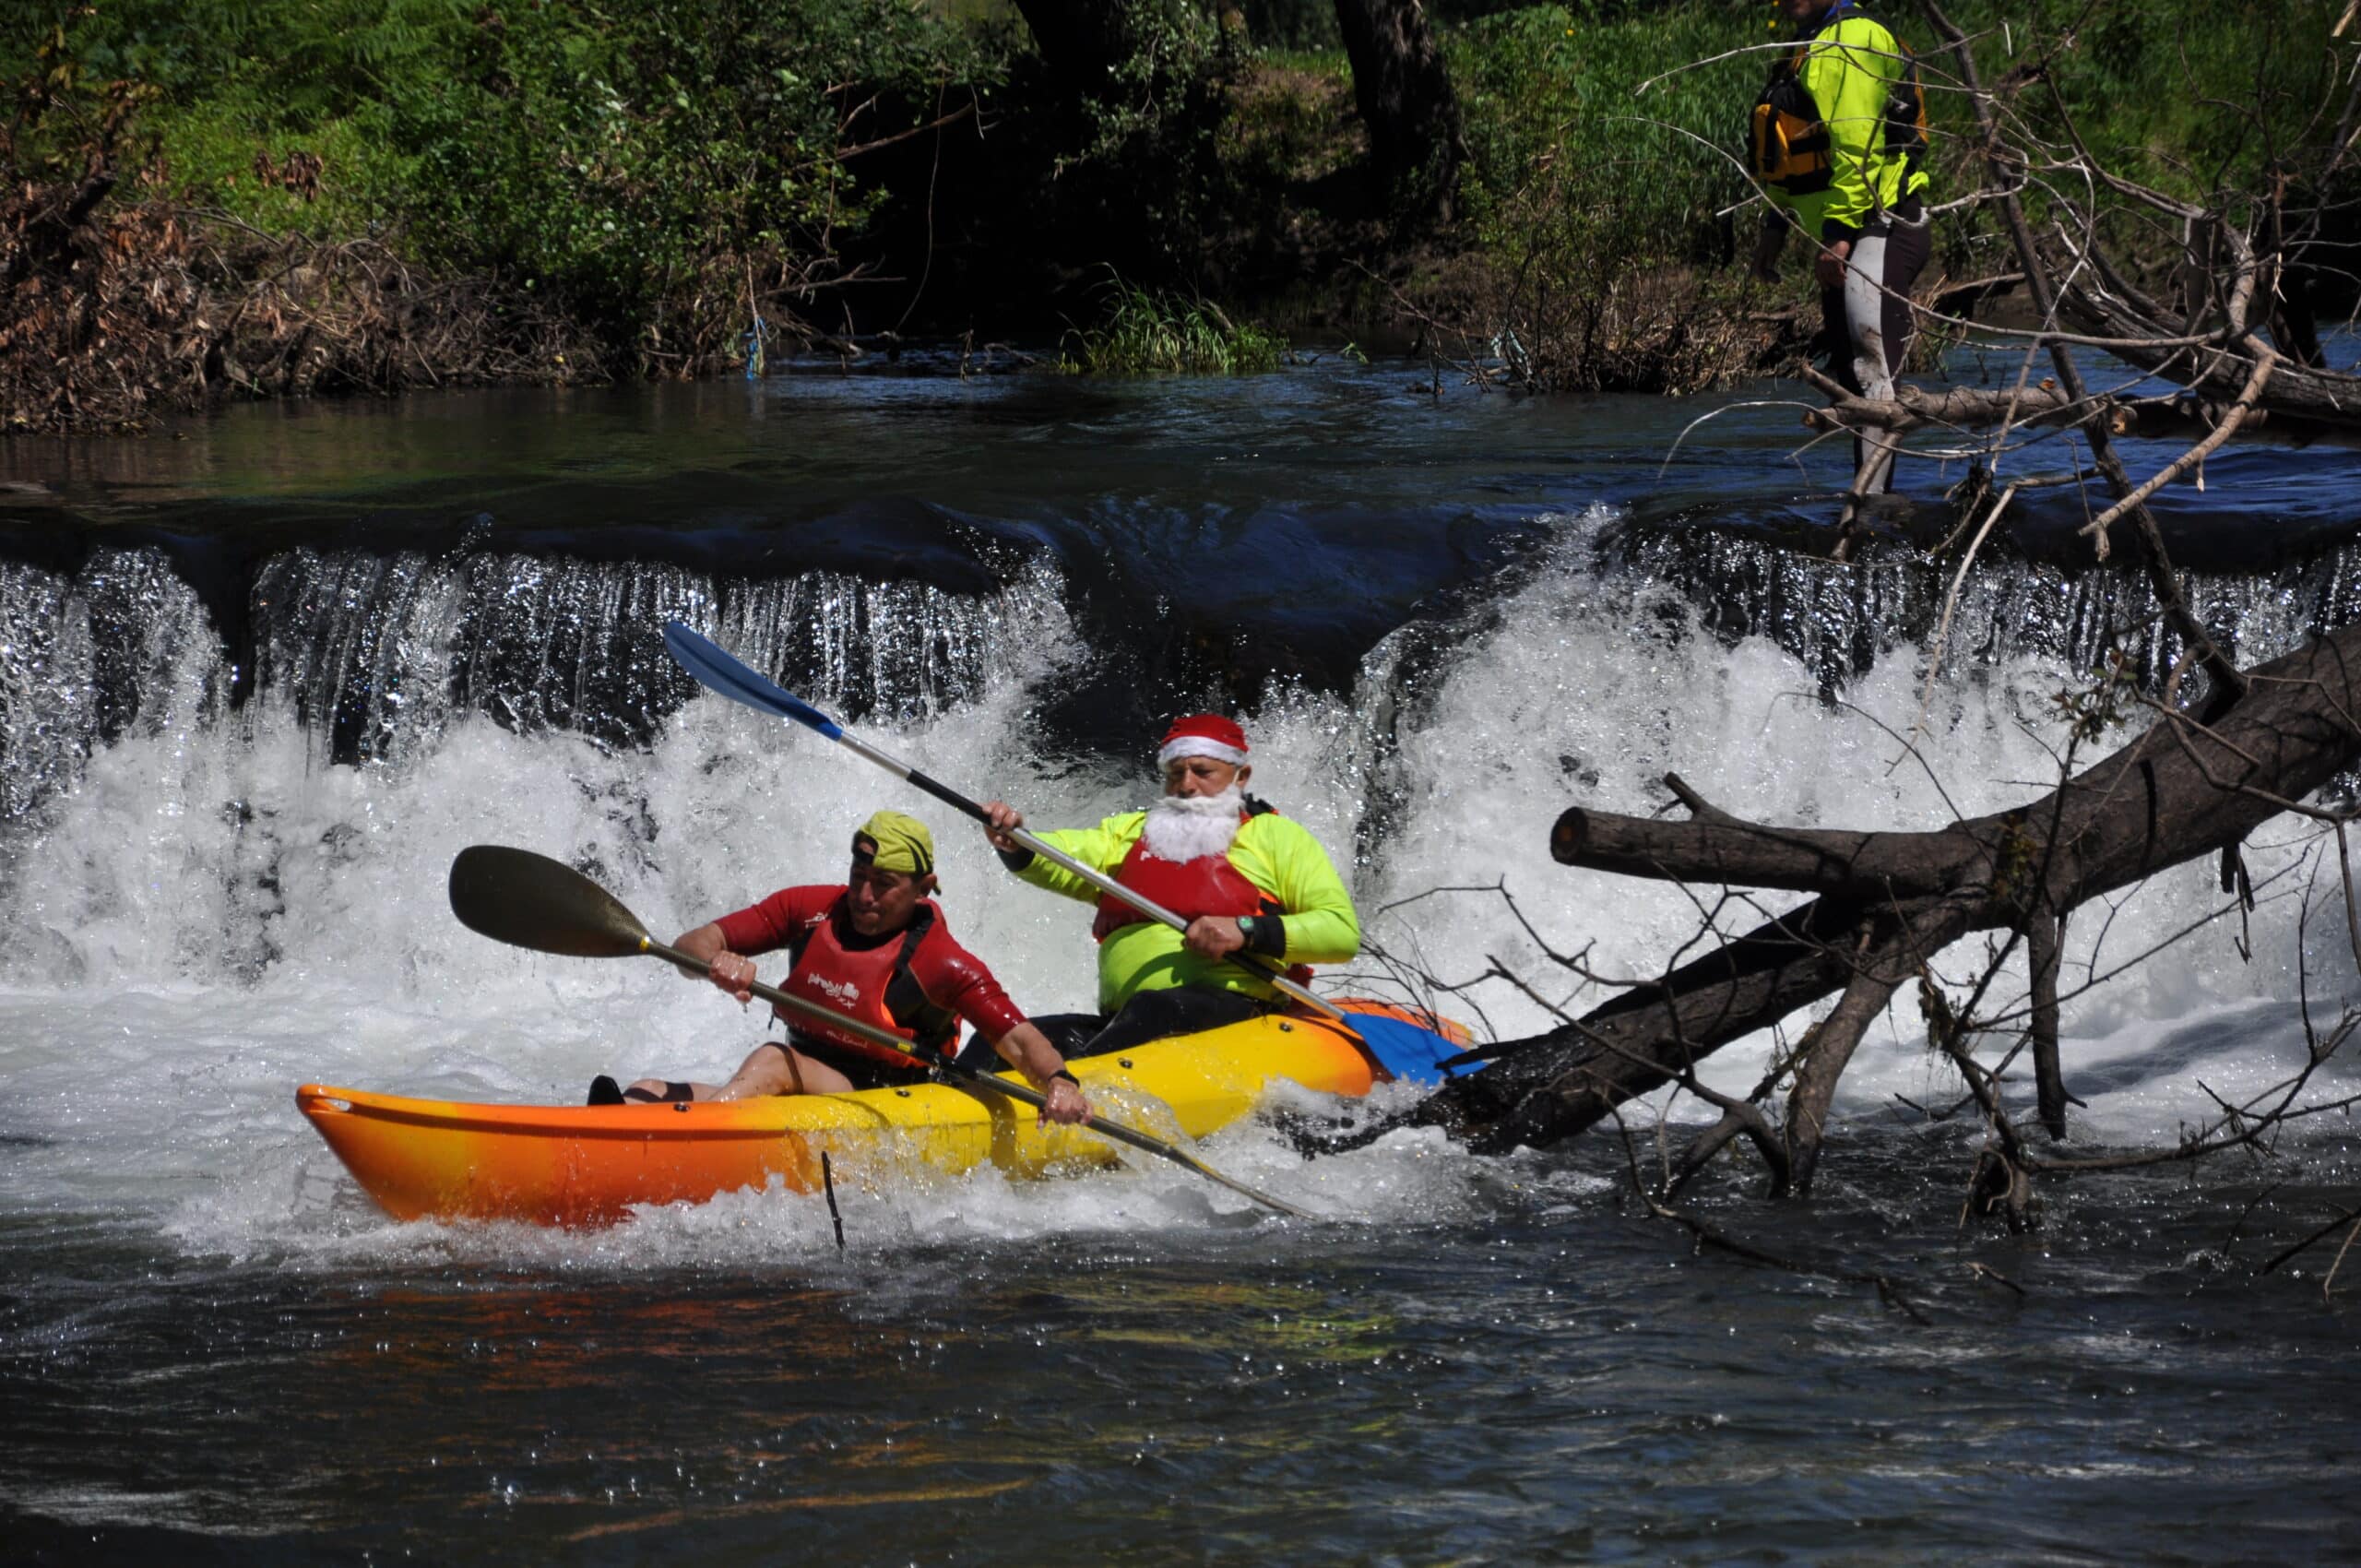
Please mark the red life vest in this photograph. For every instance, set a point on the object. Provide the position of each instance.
(873, 985)
(1206, 885)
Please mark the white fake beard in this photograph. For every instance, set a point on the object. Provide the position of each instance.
(1189, 828)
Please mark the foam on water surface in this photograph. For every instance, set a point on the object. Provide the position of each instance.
(209, 909)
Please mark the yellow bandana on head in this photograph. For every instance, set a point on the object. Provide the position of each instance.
(891, 842)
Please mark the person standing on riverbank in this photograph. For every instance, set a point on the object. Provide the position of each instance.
(1837, 140)
(1246, 880)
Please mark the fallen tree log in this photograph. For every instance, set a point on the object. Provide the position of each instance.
(2306, 394)
(2173, 416)
(1888, 902)
(1749, 854)
(1959, 408)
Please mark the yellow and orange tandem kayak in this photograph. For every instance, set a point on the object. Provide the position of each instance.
(590, 1165)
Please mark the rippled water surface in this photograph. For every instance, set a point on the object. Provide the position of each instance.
(259, 684)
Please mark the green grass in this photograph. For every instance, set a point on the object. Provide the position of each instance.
(1146, 333)
(1556, 119)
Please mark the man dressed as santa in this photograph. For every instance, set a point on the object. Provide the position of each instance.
(1244, 878)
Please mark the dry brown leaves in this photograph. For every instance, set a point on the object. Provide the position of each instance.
(115, 311)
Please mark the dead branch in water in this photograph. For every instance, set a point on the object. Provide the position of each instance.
(1884, 905)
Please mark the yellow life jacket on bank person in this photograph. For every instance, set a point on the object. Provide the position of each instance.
(1839, 133)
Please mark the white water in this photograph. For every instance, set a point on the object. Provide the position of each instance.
(1595, 689)
(211, 913)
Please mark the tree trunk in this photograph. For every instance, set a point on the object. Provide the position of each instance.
(2178, 791)
(1415, 142)
(1833, 1043)
(1079, 40)
(2045, 936)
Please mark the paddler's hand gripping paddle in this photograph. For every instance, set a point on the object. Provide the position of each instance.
(530, 900)
(720, 673)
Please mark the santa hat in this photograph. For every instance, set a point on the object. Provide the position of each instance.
(1203, 734)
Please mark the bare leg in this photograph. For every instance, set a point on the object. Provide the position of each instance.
(1885, 263)
(771, 1068)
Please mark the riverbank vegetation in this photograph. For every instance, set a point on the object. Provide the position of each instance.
(1141, 332)
(275, 196)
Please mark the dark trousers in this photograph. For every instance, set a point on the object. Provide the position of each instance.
(1150, 1015)
(1866, 325)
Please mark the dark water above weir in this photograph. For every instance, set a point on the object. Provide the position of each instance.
(259, 684)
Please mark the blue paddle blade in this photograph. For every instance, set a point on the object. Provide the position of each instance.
(722, 674)
(1409, 1052)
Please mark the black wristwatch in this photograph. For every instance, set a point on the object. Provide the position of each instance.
(1062, 1073)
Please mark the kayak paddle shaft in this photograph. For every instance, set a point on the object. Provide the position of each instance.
(1024, 1093)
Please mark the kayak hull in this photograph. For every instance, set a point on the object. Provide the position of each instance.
(576, 1165)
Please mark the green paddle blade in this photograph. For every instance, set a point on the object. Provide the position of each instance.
(530, 900)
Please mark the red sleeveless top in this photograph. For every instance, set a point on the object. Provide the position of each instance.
(918, 984)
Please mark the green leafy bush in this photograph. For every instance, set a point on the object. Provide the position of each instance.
(646, 166)
(650, 169)
(1615, 105)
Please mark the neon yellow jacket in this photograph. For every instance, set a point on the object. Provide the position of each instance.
(1850, 68)
(1274, 853)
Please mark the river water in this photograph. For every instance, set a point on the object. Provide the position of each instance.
(259, 682)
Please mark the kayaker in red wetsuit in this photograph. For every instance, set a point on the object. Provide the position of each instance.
(1242, 875)
(879, 950)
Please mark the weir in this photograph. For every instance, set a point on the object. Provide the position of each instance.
(376, 653)
(215, 791)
